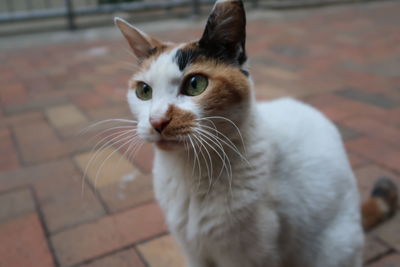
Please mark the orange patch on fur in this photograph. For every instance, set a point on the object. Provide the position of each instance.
(227, 85)
(181, 122)
(372, 213)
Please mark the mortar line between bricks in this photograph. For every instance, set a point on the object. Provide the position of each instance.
(141, 257)
(133, 245)
(44, 226)
(91, 187)
(380, 256)
(14, 140)
(372, 161)
(14, 189)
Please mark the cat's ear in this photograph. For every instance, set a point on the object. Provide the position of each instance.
(141, 44)
(225, 34)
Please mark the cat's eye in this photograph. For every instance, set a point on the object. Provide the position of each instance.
(195, 85)
(143, 91)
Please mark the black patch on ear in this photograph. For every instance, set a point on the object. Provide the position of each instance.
(225, 34)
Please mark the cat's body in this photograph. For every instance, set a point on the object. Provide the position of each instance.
(296, 204)
(241, 183)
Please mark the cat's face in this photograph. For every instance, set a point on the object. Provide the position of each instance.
(181, 89)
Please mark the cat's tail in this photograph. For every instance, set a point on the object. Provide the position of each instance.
(382, 204)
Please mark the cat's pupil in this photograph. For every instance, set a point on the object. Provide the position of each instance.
(193, 82)
(145, 88)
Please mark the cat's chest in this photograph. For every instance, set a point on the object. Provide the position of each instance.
(187, 214)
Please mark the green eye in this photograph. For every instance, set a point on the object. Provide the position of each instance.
(195, 85)
(143, 91)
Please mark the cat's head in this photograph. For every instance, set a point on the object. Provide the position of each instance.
(180, 87)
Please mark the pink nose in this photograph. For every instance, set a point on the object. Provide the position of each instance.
(159, 124)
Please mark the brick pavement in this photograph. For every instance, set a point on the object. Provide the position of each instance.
(345, 61)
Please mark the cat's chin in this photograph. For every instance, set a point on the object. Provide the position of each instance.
(169, 144)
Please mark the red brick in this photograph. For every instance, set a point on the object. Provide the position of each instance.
(30, 175)
(70, 207)
(127, 193)
(392, 260)
(389, 232)
(90, 100)
(23, 243)
(377, 129)
(119, 111)
(339, 108)
(21, 118)
(39, 143)
(8, 154)
(108, 234)
(374, 150)
(356, 161)
(15, 204)
(126, 258)
(374, 248)
(11, 94)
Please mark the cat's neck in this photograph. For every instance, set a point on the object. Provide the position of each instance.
(220, 160)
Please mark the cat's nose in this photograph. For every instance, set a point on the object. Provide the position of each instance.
(159, 124)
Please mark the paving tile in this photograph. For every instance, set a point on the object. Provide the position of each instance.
(374, 150)
(110, 233)
(90, 100)
(367, 176)
(29, 175)
(375, 128)
(105, 167)
(356, 161)
(347, 133)
(374, 249)
(341, 108)
(162, 251)
(39, 137)
(58, 186)
(23, 243)
(392, 260)
(65, 115)
(15, 204)
(387, 232)
(71, 207)
(279, 73)
(21, 118)
(376, 99)
(120, 111)
(13, 94)
(129, 192)
(289, 50)
(125, 258)
(8, 154)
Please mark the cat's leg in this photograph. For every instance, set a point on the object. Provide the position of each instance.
(195, 259)
(341, 245)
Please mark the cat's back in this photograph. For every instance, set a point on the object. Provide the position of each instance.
(311, 165)
(299, 128)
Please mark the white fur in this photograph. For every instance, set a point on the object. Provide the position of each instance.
(293, 204)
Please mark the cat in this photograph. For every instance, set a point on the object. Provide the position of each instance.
(243, 183)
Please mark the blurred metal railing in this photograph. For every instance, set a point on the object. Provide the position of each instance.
(19, 10)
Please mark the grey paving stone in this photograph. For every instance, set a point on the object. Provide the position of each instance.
(375, 99)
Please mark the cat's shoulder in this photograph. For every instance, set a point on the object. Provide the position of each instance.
(288, 117)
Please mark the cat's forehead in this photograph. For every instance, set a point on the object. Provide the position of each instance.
(169, 61)
(162, 64)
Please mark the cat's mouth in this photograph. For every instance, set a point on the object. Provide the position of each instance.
(169, 144)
